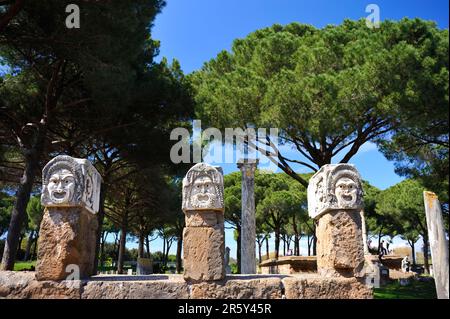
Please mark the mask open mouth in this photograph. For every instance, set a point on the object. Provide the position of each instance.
(347, 198)
(59, 195)
(202, 198)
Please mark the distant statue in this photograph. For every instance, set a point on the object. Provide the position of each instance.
(227, 261)
(405, 264)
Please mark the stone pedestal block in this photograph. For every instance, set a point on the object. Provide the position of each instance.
(340, 248)
(203, 218)
(204, 235)
(144, 266)
(66, 243)
(67, 236)
(203, 253)
(335, 201)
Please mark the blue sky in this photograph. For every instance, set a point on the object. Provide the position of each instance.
(194, 32)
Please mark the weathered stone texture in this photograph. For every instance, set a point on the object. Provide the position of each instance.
(325, 288)
(340, 248)
(203, 219)
(289, 265)
(438, 244)
(257, 288)
(23, 285)
(67, 237)
(137, 289)
(203, 253)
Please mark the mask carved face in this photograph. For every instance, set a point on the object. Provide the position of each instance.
(203, 194)
(89, 190)
(346, 192)
(320, 191)
(61, 186)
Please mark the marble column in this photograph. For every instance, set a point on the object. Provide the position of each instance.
(70, 195)
(364, 233)
(248, 219)
(335, 202)
(438, 243)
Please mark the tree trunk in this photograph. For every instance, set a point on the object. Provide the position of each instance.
(29, 243)
(20, 244)
(259, 250)
(123, 239)
(379, 241)
(166, 258)
(141, 246)
(147, 246)
(163, 261)
(284, 244)
(34, 255)
(288, 244)
(314, 243)
(102, 250)
(309, 245)
(425, 253)
(19, 214)
(296, 237)
(277, 244)
(238, 250)
(116, 246)
(267, 247)
(413, 251)
(179, 247)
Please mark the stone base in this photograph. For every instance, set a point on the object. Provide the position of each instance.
(289, 265)
(340, 247)
(66, 241)
(204, 253)
(21, 285)
(144, 266)
(325, 288)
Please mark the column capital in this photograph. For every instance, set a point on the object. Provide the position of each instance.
(245, 164)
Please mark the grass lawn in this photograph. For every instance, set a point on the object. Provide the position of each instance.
(24, 265)
(415, 290)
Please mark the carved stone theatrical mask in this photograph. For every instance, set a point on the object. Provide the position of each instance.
(333, 187)
(61, 186)
(70, 182)
(346, 191)
(203, 188)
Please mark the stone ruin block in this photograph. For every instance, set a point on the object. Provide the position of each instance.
(335, 201)
(70, 195)
(203, 251)
(204, 235)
